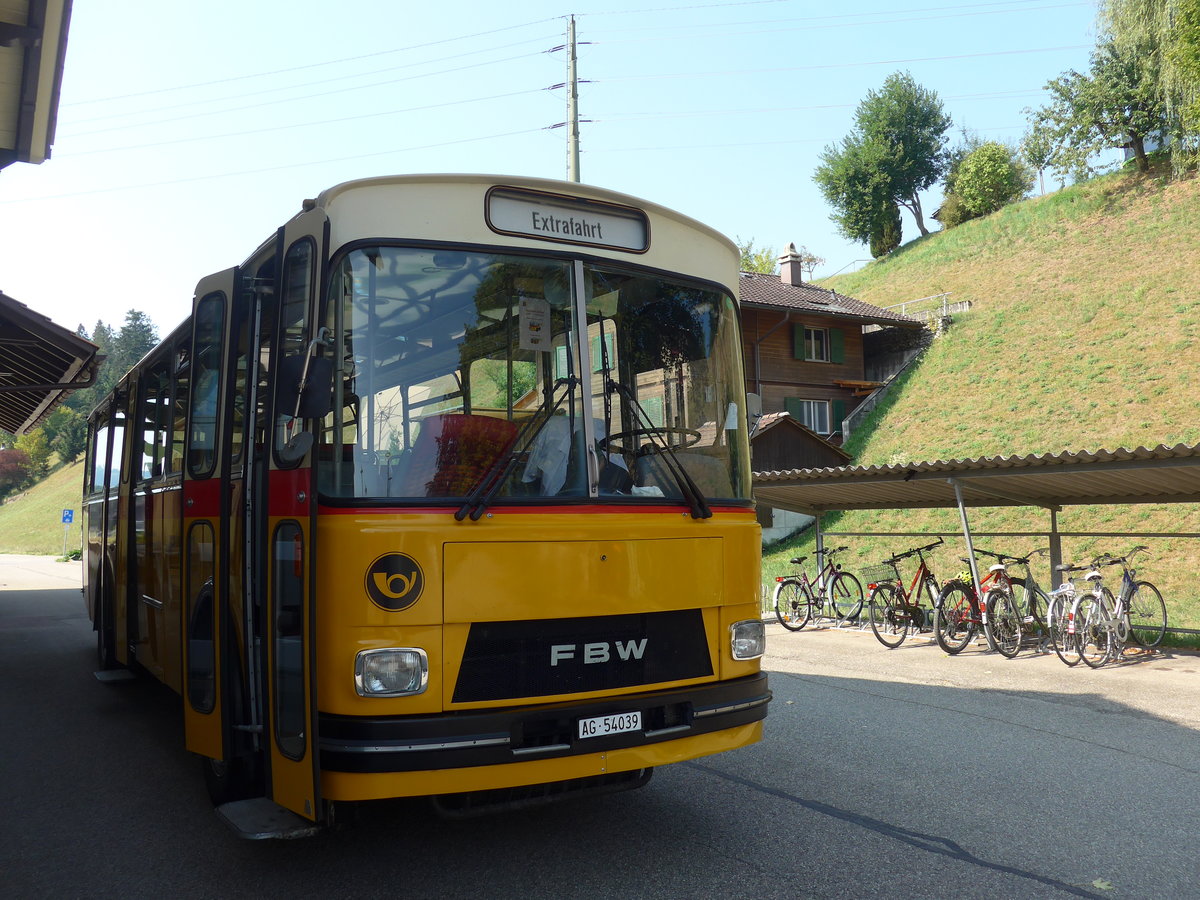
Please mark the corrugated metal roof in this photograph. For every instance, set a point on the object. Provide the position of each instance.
(1143, 475)
(36, 352)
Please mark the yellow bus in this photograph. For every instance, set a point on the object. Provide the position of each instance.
(444, 491)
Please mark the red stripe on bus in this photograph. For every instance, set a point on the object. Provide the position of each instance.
(202, 499)
(289, 492)
(522, 510)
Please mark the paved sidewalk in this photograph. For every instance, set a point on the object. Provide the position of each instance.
(38, 573)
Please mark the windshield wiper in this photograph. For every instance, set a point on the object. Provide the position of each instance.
(695, 498)
(485, 489)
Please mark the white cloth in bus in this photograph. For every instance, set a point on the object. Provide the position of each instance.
(551, 452)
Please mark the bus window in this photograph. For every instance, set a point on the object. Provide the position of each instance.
(206, 385)
(293, 333)
(288, 635)
(201, 662)
(177, 416)
(664, 346)
(444, 357)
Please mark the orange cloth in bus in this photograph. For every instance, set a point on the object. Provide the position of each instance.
(453, 453)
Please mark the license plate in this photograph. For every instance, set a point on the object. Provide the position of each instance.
(598, 726)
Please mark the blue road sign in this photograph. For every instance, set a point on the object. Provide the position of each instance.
(68, 516)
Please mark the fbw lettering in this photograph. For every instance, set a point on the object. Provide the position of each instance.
(598, 652)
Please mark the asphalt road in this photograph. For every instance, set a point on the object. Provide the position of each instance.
(883, 774)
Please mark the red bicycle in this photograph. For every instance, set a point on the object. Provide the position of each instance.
(958, 613)
(894, 610)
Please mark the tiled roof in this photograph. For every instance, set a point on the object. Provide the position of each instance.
(756, 289)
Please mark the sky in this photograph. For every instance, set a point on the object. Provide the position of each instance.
(187, 133)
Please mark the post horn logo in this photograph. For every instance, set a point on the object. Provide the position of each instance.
(394, 581)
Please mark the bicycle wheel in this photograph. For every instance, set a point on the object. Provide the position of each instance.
(1032, 603)
(889, 618)
(953, 620)
(1004, 622)
(845, 596)
(793, 605)
(1096, 639)
(1063, 636)
(1147, 614)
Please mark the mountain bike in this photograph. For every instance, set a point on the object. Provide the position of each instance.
(894, 610)
(959, 614)
(797, 599)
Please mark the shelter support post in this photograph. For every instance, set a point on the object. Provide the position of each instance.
(1055, 549)
(820, 550)
(966, 527)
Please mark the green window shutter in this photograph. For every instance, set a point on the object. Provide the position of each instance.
(837, 413)
(792, 405)
(798, 342)
(837, 346)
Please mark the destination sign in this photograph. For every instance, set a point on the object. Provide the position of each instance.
(573, 220)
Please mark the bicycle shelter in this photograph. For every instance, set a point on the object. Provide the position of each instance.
(1050, 481)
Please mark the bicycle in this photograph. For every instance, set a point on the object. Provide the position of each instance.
(795, 600)
(894, 610)
(1140, 605)
(958, 612)
(1108, 622)
(1060, 617)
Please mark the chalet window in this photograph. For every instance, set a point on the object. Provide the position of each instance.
(813, 414)
(819, 344)
(816, 345)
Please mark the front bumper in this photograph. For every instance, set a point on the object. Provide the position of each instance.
(539, 732)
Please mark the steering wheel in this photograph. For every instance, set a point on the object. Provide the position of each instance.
(610, 445)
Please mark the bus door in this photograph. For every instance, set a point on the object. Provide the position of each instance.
(206, 512)
(299, 359)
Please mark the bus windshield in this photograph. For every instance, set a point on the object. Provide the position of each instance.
(531, 378)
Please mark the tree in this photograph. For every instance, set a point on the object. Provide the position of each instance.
(896, 150)
(136, 338)
(910, 123)
(755, 259)
(886, 236)
(1114, 106)
(1167, 34)
(69, 438)
(852, 179)
(765, 261)
(36, 448)
(1037, 148)
(14, 470)
(990, 177)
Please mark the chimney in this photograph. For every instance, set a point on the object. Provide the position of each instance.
(789, 267)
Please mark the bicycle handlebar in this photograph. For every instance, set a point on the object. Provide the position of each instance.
(834, 550)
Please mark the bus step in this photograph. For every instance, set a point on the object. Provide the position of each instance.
(260, 818)
(107, 675)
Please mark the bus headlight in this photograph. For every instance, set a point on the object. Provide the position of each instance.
(748, 639)
(391, 672)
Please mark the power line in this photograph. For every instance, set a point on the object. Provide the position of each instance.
(316, 65)
(322, 81)
(233, 109)
(849, 65)
(808, 26)
(308, 124)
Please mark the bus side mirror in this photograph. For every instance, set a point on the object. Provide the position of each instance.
(305, 386)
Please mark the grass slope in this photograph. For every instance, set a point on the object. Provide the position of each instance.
(31, 522)
(1084, 334)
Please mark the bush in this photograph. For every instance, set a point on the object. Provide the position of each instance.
(953, 212)
(991, 177)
